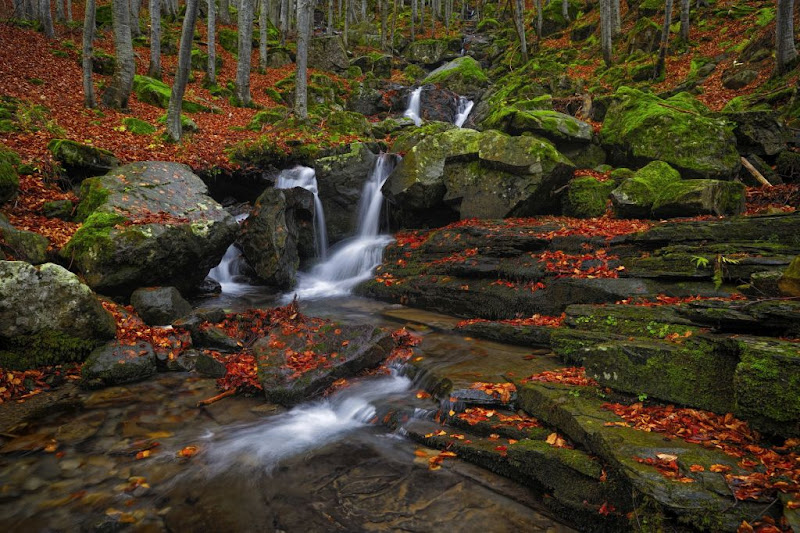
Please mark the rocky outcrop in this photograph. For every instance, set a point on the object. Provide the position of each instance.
(117, 363)
(23, 245)
(463, 75)
(47, 316)
(159, 306)
(81, 160)
(148, 224)
(327, 53)
(758, 132)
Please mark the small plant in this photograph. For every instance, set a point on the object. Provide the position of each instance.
(642, 397)
(575, 393)
(699, 261)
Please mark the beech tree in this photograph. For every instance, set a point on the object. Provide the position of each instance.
(616, 18)
(136, 6)
(154, 70)
(46, 18)
(539, 18)
(88, 53)
(785, 51)
(605, 31)
(519, 22)
(685, 4)
(304, 8)
(174, 129)
(224, 12)
(245, 52)
(119, 91)
(262, 35)
(211, 68)
(413, 20)
(565, 10)
(662, 51)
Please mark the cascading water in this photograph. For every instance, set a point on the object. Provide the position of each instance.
(306, 178)
(352, 260)
(463, 111)
(228, 273)
(413, 109)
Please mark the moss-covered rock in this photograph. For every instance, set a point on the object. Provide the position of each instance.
(634, 198)
(641, 127)
(349, 123)
(117, 363)
(788, 166)
(9, 179)
(587, 197)
(463, 75)
(268, 117)
(409, 138)
(81, 160)
(688, 198)
(229, 40)
(138, 126)
(199, 60)
(789, 283)
(431, 52)
(23, 245)
(378, 64)
(157, 93)
(62, 209)
(553, 19)
(328, 53)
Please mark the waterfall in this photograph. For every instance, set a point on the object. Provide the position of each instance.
(228, 273)
(352, 261)
(413, 106)
(306, 178)
(464, 108)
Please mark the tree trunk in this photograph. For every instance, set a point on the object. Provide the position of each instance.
(245, 51)
(284, 21)
(303, 35)
(136, 6)
(363, 10)
(565, 10)
(519, 22)
(539, 18)
(88, 52)
(448, 12)
(262, 35)
(413, 20)
(421, 13)
(19, 9)
(119, 91)
(685, 20)
(346, 34)
(329, 26)
(224, 12)
(211, 68)
(174, 129)
(785, 51)
(60, 10)
(605, 31)
(394, 25)
(616, 18)
(154, 71)
(433, 21)
(69, 10)
(384, 9)
(46, 19)
(662, 52)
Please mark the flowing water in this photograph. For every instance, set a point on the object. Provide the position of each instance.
(306, 178)
(229, 273)
(463, 110)
(413, 110)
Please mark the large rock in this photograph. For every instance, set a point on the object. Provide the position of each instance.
(432, 52)
(789, 282)
(555, 126)
(272, 234)
(159, 306)
(47, 316)
(341, 178)
(587, 197)
(23, 245)
(116, 363)
(148, 224)
(378, 64)
(327, 53)
(157, 93)
(81, 160)
(758, 132)
(640, 127)
(463, 75)
(479, 174)
(9, 179)
(438, 104)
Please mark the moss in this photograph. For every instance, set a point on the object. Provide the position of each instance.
(137, 126)
(229, 40)
(587, 197)
(92, 195)
(349, 123)
(44, 348)
(93, 237)
(199, 60)
(463, 72)
(74, 154)
(9, 181)
(268, 117)
(187, 124)
(157, 93)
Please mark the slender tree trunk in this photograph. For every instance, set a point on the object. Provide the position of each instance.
(519, 22)
(329, 26)
(685, 4)
(363, 10)
(785, 51)
(413, 20)
(174, 129)
(662, 52)
(262, 35)
(154, 70)
(60, 10)
(119, 91)
(394, 25)
(46, 19)
(19, 9)
(605, 31)
(211, 68)
(433, 20)
(245, 51)
(346, 36)
(565, 10)
(69, 10)
(284, 21)
(421, 12)
(224, 12)
(616, 18)
(539, 18)
(136, 6)
(448, 13)
(384, 9)
(88, 54)
(303, 36)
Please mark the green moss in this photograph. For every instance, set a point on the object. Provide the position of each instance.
(462, 73)
(587, 197)
(92, 195)
(137, 126)
(93, 237)
(199, 60)
(349, 123)
(268, 117)
(42, 349)
(9, 181)
(229, 40)
(157, 93)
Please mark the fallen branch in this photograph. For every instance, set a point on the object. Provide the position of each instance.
(218, 397)
(755, 173)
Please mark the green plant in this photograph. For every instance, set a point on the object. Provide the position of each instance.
(699, 261)
(720, 269)
(642, 397)
(575, 393)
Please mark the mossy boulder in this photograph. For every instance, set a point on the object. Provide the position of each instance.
(787, 166)
(789, 283)
(409, 138)
(552, 125)
(432, 52)
(118, 363)
(553, 19)
(148, 224)
(159, 306)
(138, 126)
(268, 117)
(349, 123)
(328, 53)
(23, 245)
(644, 36)
(157, 93)
(640, 127)
(81, 160)
(47, 316)
(9, 179)
(103, 63)
(378, 64)
(758, 132)
(199, 60)
(62, 209)
(587, 197)
(688, 198)
(463, 75)
(635, 196)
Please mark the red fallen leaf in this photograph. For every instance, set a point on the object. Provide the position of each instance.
(144, 454)
(697, 468)
(420, 453)
(722, 469)
(606, 509)
(188, 451)
(745, 527)
(501, 448)
(567, 376)
(793, 504)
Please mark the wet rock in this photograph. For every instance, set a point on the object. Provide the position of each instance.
(47, 316)
(159, 306)
(432, 52)
(208, 286)
(509, 334)
(328, 53)
(214, 338)
(81, 160)
(23, 245)
(789, 283)
(463, 75)
(148, 224)
(758, 132)
(117, 363)
(438, 104)
(208, 366)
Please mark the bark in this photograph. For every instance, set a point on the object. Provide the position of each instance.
(224, 12)
(329, 26)
(174, 129)
(413, 20)
(394, 25)
(154, 70)
(363, 10)
(785, 51)
(685, 4)
(565, 10)
(119, 91)
(136, 6)
(605, 31)
(262, 35)
(384, 9)
(284, 21)
(88, 52)
(245, 51)
(433, 19)
(448, 13)
(539, 18)
(60, 10)
(69, 10)
(519, 22)
(421, 12)
(46, 18)
(346, 35)
(19, 9)
(616, 19)
(303, 36)
(662, 52)
(211, 69)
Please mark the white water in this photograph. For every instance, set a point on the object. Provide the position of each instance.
(464, 108)
(228, 273)
(306, 178)
(302, 429)
(414, 106)
(352, 261)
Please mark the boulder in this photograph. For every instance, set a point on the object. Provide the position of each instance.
(432, 52)
(587, 197)
(327, 53)
(9, 179)
(557, 127)
(736, 79)
(463, 75)
(553, 19)
(47, 316)
(409, 138)
(688, 198)
(23, 245)
(58, 209)
(156, 92)
(644, 36)
(789, 282)
(81, 160)
(148, 224)
(640, 127)
(341, 178)
(272, 234)
(635, 196)
(378, 64)
(116, 363)
(788, 166)
(758, 132)
(159, 306)
(438, 104)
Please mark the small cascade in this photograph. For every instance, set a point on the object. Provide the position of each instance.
(352, 260)
(463, 111)
(228, 273)
(306, 178)
(413, 110)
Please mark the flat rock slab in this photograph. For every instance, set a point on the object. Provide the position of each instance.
(292, 368)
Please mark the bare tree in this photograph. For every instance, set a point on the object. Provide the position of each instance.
(119, 91)
(88, 53)
(565, 10)
(60, 10)
(785, 51)
(69, 10)
(413, 20)
(685, 4)
(384, 9)
(245, 52)
(662, 51)
(329, 26)
(285, 22)
(211, 68)
(519, 22)
(262, 35)
(224, 12)
(616, 18)
(605, 31)
(154, 70)
(539, 18)
(174, 129)
(394, 25)
(136, 6)
(303, 36)
(46, 18)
